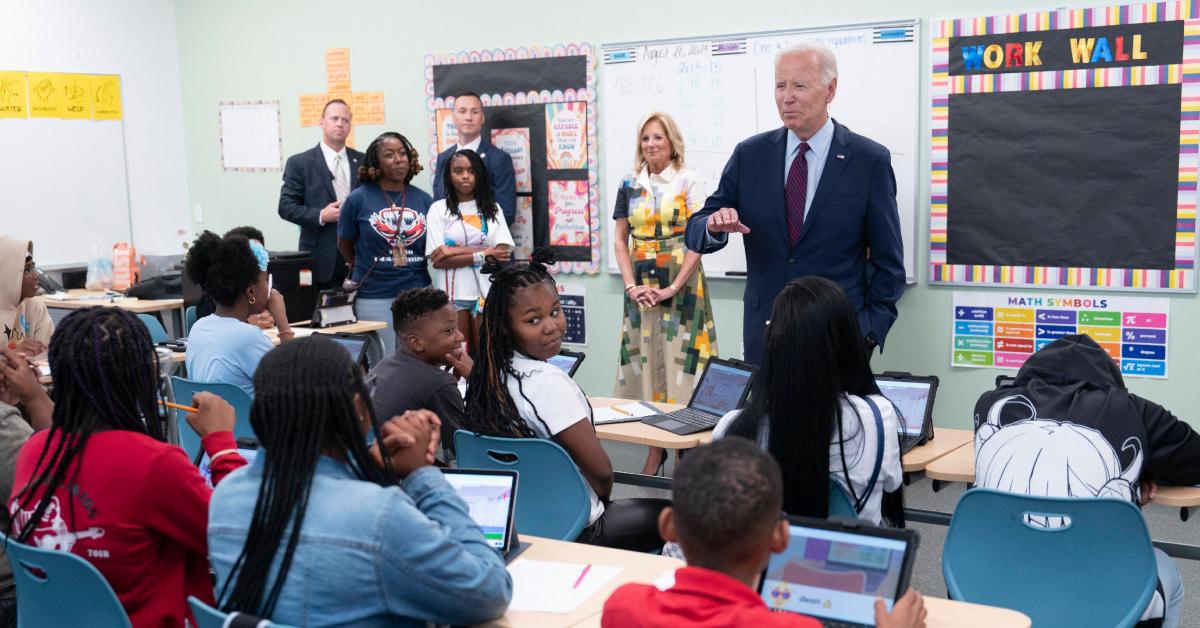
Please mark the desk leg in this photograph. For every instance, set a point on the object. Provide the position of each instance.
(647, 481)
(1184, 513)
(937, 485)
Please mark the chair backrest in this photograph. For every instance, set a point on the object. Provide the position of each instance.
(840, 504)
(552, 498)
(183, 390)
(66, 590)
(1095, 569)
(157, 332)
(209, 617)
(189, 319)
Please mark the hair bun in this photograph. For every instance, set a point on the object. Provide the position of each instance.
(541, 258)
(491, 265)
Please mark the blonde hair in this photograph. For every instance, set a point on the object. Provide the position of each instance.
(673, 135)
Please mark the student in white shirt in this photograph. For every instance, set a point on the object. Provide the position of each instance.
(513, 392)
(809, 404)
(463, 229)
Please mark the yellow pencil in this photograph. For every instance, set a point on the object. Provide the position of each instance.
(622, 411)
(178, 407)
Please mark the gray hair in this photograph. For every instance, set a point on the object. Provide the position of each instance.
(825, 58)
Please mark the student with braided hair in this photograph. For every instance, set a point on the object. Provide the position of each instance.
(512, 391)
(225, 347)
(317, 532)
(104, 484)
(381, 231)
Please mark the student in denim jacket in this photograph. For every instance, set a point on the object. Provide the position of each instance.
(363, 551)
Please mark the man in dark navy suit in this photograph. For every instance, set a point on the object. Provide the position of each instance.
(315, 183)
(811, 198)
(468, 120)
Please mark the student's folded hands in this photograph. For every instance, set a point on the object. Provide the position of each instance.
(411, 440)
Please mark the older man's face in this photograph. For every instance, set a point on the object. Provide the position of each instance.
(800, 96)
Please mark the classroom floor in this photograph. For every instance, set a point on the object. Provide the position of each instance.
(1164, 524)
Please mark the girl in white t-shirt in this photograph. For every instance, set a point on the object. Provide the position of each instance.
(809, 407)
(513, 392)
(463, 230)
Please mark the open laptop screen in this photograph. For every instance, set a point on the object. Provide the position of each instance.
(489, 497)
(911, 399)
(354, 345)
(568, 361)
(721, 388)
(834, 575)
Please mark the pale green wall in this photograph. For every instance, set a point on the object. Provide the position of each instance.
(273, 49)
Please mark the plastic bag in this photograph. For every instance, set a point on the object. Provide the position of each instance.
(99, 270)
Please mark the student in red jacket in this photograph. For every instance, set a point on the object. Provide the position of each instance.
(726, 516)
(104, 484)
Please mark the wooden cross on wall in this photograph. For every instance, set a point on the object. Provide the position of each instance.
(366, 107)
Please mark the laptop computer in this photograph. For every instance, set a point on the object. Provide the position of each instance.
(568, 361)
(248, 447)
(912, 395)
(354, 344)
(834, 569)
(491, 496)
(723, 386)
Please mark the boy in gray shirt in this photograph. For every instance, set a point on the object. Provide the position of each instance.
(415, 377)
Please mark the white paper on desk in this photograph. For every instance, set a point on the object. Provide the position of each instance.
(544, 586)
(614, 414)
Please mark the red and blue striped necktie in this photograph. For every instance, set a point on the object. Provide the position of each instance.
(795, 191)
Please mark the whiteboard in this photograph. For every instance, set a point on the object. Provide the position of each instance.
(720, 90)
(64, 181)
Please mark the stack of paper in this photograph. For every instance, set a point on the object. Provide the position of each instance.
(552, 587)
(624, 412)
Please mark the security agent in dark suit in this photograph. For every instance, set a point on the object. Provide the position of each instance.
(811, 198)
(315, 183)
(468, 120)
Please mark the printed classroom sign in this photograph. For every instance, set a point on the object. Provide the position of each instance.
(1028, 109)
(1003, 330)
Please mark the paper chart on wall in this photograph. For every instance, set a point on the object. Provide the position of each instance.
(566, 135)
(569, 213)
(522, 228)
(515, 142)
(250, 136)
(1002, 330)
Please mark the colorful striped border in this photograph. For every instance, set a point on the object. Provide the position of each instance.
(587, 94)
(1183, 276)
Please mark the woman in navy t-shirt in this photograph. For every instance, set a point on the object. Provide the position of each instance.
(381, 231)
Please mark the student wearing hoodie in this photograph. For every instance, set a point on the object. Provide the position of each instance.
(24, 321)
(1067, 426)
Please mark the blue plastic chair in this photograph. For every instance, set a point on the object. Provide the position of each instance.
(209, 617)
(552, 496)
(189, 319)
(184, 389)
(1096, 569)
(68, 591)
(157, 332)
(840, 504)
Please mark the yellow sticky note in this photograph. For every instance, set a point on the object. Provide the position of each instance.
(310, 109)
(106, 97)
(335, 56)
(13, 103)
(45, 95)
(76, 90)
